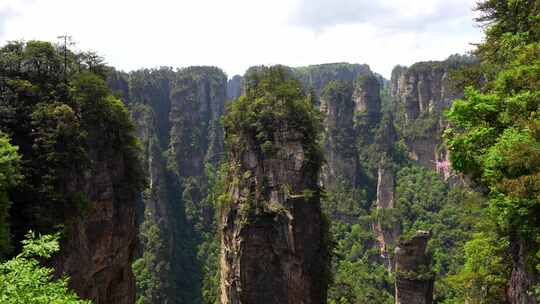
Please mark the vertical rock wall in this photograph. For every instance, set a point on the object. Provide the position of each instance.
(98, 248)
(420, 94)
(272, 230)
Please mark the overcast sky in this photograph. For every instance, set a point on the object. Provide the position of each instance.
(236, 34)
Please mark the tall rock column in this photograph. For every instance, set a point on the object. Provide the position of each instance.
(341, 156)
(273, 247)
(414, 280)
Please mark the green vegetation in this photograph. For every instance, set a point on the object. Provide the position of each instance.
(358, 274)
(66, 127)
(23, 280)
(425, 202)
(272, 99)
(495, 140)
(9, 177)
(150, 269)
(62, 116)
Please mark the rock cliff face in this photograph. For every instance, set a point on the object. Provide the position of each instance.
(386, 229)
(197, 104)
(421, 93)
(99, 248)
(338, 108)
(272, 230)
(414, 280)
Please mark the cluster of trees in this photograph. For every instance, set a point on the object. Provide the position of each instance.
(57, 118)
(259, 113)
(23, 279)
(495, 140)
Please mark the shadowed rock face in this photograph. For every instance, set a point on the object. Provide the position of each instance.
(99, 247)
(414, 280)
(271, 248)
(272, 231)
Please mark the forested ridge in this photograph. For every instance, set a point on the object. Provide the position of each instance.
(318, 184)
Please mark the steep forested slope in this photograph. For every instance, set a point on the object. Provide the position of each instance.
(79, 164)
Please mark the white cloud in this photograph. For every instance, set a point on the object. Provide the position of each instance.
(236, 34)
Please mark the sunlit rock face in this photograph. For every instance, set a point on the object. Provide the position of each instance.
(421, 93)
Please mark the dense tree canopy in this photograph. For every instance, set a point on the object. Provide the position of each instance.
(496, 140)
(56, 107)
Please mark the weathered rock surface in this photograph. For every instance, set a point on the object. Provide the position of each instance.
(386, 232)
(338, 108)
(414, 280)
(98, 250)
(272, 255)
(421, 93)
(272, 231)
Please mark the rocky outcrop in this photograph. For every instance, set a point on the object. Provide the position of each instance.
(100, 242)
(338, 107)
(421, 93)
(367, 97)
(386, 228)
(197, 104)
(351, 111)
(414, 279)
(272, 230)
(99, 248)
